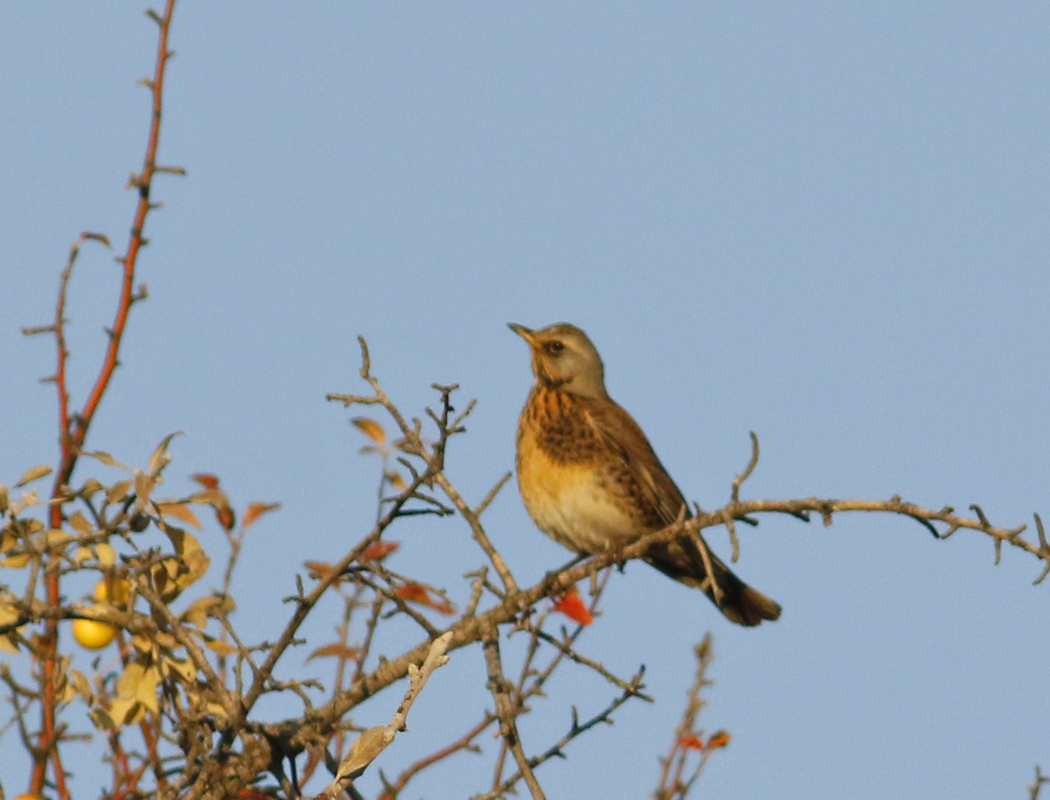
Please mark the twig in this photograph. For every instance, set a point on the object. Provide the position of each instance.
(507, 710)
(373, 741)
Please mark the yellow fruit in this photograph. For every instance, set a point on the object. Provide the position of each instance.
(91, 634)
(116, 590)
(29, 797)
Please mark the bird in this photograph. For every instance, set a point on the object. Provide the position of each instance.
(590, 479)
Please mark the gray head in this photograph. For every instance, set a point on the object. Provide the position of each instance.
(563, 357)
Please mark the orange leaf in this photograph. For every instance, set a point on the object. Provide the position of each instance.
(378, 550)
(226, 517)
(718, 739)
(256, 510)
(370, 428)
(396, 481)
(179, 511)
(319, 570)
(691, 743)
(337, 649)
(571, 605)
(206, 480)
(417, 593)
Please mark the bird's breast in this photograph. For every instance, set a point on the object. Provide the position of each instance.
(565, 480)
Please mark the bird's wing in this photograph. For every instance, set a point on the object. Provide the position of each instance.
(617, 431)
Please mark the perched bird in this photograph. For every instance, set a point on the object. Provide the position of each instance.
(590, 479)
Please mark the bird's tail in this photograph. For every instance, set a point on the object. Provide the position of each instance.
(687, 561)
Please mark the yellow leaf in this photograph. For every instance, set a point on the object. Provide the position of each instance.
(180, 512)
(105, 458)
(199, 610)
(80, 523)
(221, 647)
(56, 537)
(144, 485)
(146, 693)
(183, 667)
(83, 554)
(118, 491)
(160, 458)
(34, 473)
(90, 487)
(370, 428)
(83, 686)
(125, 711)
(107, 556)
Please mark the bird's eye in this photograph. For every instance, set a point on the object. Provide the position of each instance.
(554, 347)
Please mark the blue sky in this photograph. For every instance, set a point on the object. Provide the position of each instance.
(826, 224)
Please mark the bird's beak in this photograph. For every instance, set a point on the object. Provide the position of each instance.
(525, 333)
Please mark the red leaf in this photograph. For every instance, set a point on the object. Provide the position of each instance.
(691, 743)
(571, 605)
(206, 480)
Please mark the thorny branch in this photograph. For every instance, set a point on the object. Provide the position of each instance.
(688, 738)
(73, 428)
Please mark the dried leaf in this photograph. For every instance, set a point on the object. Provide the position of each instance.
(226, 517)
(180, 511)
(417, 593)
(336, 650)
(377, 551)
(34, 473)
(255, 510)
(571, 605)
(370, 428)
(363, 752)
(206, 480)
(690, 742)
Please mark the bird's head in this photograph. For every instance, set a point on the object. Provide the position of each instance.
(563, 357)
